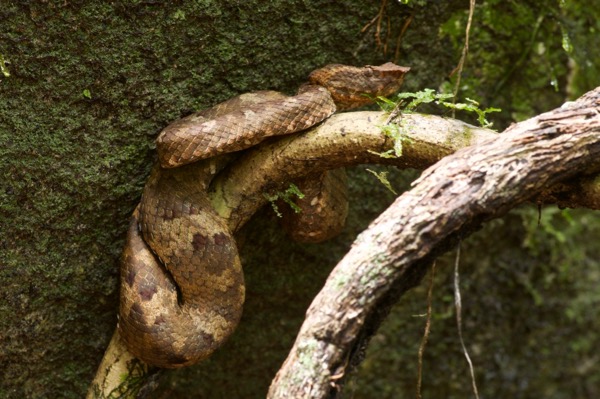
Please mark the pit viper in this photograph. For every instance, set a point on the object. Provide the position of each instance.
(182, 284)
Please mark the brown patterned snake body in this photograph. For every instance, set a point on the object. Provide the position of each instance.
(182, 285)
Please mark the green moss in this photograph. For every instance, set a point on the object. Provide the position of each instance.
(73, 164)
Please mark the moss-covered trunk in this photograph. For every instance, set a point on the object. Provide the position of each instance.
(91, 83)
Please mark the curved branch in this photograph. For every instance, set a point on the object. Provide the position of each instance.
(462, 190)
(344, 139)
(120, 374)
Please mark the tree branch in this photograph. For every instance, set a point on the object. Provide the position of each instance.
(344, 139)
(450, 199)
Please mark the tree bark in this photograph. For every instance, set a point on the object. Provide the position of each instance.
(444, 205)
(447, 202)
(345, 139)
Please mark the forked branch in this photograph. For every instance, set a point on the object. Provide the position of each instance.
(476, 183)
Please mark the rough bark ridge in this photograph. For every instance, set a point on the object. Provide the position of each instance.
(473, 185)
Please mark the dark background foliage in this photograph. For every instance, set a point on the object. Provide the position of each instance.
(91, 83)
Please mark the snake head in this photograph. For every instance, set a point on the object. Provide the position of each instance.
(353, 87)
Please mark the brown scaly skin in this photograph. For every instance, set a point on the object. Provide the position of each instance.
(324, 208)
(243, 128)
(182, 285)
(348, 85)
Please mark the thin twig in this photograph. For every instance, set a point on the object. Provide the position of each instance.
(367, 26)
(463, 56)
(394, 113)
(377, 19)
(458, 305)
(401, 35)
(522, 59)
(426, 332)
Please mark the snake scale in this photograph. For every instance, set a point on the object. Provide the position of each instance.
(182, 284)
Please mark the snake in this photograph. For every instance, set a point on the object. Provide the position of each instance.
(182, 285)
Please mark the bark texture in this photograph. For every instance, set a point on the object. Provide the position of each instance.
(343, 140)
(446, 203)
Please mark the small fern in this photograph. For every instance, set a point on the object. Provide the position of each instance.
(383, 179)
(285, 196)
(472, 106)
(409, 101)
(397, 132)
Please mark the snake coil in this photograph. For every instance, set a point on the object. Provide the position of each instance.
(182, 284)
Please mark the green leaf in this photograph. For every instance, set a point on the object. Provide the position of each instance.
(285, 196)
(426, 96)
(382, 177)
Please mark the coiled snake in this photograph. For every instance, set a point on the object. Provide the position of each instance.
(182, 285)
